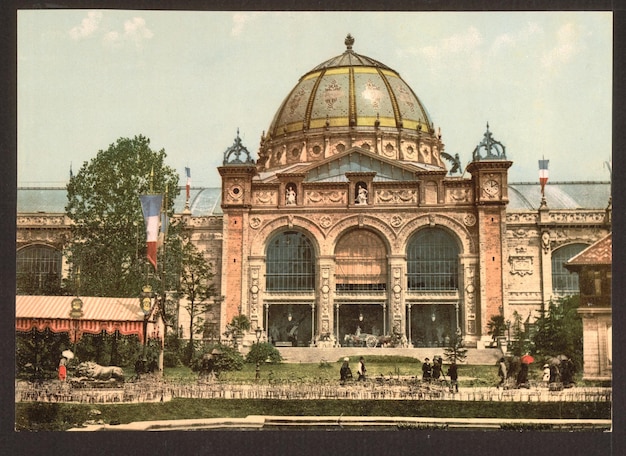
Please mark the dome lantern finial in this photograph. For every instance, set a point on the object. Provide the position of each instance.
(349, 41)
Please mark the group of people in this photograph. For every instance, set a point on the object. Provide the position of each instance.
(345, 373)
(560, 372)
(435, 372)
(429, 372)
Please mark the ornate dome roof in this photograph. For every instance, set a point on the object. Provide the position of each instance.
(349, 101)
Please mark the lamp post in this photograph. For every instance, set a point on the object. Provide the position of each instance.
(76, 313)
(145, 302)
(258, 331)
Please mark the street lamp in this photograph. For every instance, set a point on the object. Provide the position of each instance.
(258, 331)
(145, 302)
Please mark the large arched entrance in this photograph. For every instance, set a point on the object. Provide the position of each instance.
(360, 285)
(290, 279)
(432, 283)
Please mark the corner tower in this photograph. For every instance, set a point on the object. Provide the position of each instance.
(489, 169)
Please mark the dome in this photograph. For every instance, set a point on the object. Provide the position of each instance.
(350, 101)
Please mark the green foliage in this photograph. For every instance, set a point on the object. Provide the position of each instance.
(195, 284)
(496, 326)
(228, 359)
(173, 351)
(107, 245)
(456, 351)
(61, 416)
(559, 330)
(37, 354)
(263, 352)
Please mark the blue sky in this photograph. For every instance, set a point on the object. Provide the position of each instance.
(189, 80)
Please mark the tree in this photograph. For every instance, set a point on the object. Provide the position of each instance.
(195, 284)
(107, 248)
(559, 330)
(496, 326)
(456, 350)
(237, 326)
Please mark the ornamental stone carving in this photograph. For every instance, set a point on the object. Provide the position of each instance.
(396, 221)
(459, 195)
(522, 217)
(521, 264)
(266, 198)
(254, 290)
(470, 299)
(385, 196)
(325, 198)
(469, 220)
(326, 221)
(255, 222)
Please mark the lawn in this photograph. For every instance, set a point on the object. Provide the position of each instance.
(62, 416)
(388, 366)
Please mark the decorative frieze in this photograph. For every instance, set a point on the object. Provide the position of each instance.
(40, 220)
(325, 197)
(265, 198)
(389, 197)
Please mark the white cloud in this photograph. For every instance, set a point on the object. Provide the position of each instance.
(135, 30)
(508, 40)
(239, 21)
(439, 56)
(566, 47)
(87, 27)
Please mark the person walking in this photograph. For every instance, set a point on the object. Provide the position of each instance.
(454, 376)
(426, 370)
(502, 372)
(345, 373)
(361, 370)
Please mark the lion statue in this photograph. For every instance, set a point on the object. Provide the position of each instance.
(94, 371)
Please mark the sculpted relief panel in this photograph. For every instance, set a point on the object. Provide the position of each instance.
(325, 197)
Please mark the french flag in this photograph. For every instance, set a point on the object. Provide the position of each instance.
(188, 172)
(543, 175)
(151, 207)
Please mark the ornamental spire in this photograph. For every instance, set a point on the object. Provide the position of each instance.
(349, 41)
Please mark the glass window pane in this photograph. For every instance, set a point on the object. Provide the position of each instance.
(432, 261)
(565, 282)
(290, 263)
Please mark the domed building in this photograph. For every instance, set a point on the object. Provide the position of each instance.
(353, 222)
(353, 226)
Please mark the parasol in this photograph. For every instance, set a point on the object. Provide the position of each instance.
(554, 361)
(67, 354)
(527, 359)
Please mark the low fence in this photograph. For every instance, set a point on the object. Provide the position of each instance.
(156, 389)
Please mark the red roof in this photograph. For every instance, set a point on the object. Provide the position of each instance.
(599, 253)
(94, 308)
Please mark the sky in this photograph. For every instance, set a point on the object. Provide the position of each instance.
(189, 81)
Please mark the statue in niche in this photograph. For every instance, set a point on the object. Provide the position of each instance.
(290, 196)
(361, 197)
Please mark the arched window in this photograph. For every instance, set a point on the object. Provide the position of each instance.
(290, 263)
(38, 269)
(361, 259)
(565, 282)
(432, 261)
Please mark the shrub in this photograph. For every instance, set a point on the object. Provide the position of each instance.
(263, 352)
(228, 358)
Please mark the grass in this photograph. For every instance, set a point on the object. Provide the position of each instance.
(324, 371)
(60, 416)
